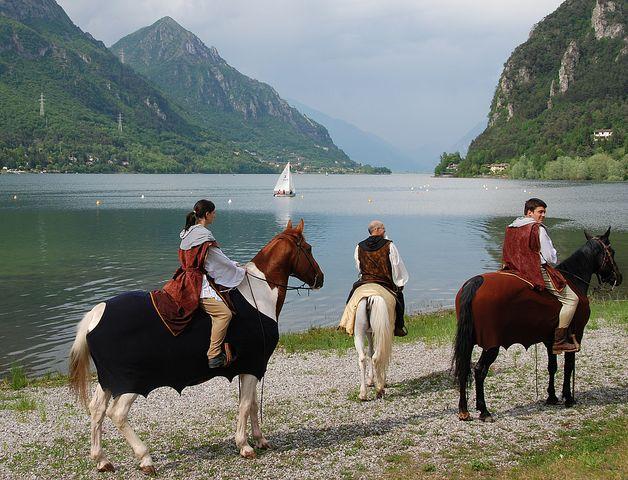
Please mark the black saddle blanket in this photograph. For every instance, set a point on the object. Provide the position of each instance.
(135, 353)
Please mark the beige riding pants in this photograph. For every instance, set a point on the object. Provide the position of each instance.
(221, 316)
(567, 298)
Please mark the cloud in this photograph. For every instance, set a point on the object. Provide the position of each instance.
(411, 71)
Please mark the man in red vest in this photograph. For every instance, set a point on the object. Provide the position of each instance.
(529, 253)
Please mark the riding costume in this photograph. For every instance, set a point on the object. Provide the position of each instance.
(203, 279)
(529, 253)
(378, 261)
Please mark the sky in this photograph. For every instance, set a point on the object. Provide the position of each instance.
(418, 73)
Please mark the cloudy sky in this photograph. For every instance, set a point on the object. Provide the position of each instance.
(414, 72)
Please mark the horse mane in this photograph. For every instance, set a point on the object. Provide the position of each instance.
(579, 266)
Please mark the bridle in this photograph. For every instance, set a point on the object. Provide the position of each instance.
(608, 258)
(298, 242)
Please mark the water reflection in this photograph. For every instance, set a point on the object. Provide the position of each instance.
(60, 254)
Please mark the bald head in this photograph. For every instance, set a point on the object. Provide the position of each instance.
(377, 228)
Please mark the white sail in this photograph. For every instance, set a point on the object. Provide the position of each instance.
(284, 186)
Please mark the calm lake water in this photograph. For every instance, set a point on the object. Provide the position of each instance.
(61, 253)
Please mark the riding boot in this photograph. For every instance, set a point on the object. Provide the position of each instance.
(561, 344)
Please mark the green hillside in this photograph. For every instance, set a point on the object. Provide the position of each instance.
(241, 110)
(567, 81)
(87, 90)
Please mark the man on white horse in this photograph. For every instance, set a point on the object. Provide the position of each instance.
(378, 261)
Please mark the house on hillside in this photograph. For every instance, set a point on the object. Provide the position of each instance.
(604, 134)
(498, 167)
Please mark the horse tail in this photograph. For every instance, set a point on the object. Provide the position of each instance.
(79, 358)
(465, 336)
(382, 327)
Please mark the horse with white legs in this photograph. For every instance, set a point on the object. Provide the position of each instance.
(134, 352)
(373, 340)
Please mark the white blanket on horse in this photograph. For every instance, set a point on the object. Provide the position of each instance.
(368, 290)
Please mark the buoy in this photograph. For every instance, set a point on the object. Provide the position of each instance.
(524, 190)
(301, 196)
(98, 202)
(142, 195)
(14, 197)
(370, 201)
(412, 188)
(229, 201)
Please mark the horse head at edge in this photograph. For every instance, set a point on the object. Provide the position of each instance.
(608, 270)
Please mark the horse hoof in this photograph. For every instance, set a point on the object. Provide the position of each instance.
(464, 416)
(107, 467)
(487, 418)
(551, 401)
(248, 453)
(569, 403)
(264, 445)
(379, 394)
(149, 470)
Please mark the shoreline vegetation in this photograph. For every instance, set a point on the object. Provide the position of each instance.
(602, 166)
(434, 328)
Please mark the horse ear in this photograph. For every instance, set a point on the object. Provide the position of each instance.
(289, 226)
(300, 226)
(588, 235)
(608, 232)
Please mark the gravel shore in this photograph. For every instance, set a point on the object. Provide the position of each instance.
(318, 428)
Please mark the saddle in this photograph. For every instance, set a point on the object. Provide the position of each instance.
(507, 310)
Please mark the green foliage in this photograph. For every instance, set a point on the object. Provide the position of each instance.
(596, 99)
(447, 159)
(599, 167)
(86, 87)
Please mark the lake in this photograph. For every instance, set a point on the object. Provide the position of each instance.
(71, 241)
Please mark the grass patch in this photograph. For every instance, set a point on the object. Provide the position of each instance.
(17, 378)
(432, 328)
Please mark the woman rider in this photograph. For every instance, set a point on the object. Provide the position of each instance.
(203, 279)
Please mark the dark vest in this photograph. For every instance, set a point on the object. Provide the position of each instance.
(521, 256)
(375, 264)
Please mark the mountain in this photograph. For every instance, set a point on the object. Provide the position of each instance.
(566, 81)
(85, 88)
(245, 112)
(363, 146)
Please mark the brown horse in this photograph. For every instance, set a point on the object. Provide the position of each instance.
(500, 309)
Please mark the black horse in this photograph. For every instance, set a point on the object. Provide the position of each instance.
(499, 309)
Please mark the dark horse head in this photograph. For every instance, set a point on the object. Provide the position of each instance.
(594, 257)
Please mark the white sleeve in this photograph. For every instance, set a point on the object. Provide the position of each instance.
(399, 272)
(548, 252)
(357, 259)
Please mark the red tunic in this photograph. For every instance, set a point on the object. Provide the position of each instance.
(521, 255)
(179, 298)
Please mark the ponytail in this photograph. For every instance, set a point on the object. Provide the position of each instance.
(201, 208)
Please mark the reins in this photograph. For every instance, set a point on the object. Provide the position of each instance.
(259, 316)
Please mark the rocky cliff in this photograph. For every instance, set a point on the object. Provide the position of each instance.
(567, 80)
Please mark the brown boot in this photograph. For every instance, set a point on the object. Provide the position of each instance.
(560, 342)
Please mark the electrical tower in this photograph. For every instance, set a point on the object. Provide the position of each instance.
(119, 122)
(122, 55)
(41, 105)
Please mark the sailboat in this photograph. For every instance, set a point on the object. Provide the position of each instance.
(284, 186)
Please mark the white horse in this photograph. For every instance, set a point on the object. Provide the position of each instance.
(263, 287)
(373, 334)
